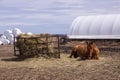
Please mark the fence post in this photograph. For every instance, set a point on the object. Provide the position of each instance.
(14, 47)
(21, 53)
(47, 45)
(37, 46)
(58, 45)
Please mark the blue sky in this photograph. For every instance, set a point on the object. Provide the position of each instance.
(50, 16)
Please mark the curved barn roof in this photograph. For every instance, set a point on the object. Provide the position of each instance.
(98, 26)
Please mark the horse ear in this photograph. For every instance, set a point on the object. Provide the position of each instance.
(92, 43)
(87, 42)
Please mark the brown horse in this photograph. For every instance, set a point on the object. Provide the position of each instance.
(79, 51)
(93, 50)
(87, 50)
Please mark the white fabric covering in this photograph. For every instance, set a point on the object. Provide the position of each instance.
(16, 32)
(5, 41)
(95, 25)
(1, 43)
(29, 33)
(7, 32)
(8, 36)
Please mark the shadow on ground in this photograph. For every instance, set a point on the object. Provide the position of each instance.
(13, 59)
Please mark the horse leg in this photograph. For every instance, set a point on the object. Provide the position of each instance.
(96, 57)
(75, 55)
(90, 55)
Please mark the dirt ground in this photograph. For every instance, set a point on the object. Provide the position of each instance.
(65, 68)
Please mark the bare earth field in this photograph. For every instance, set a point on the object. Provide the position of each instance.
(65, 68)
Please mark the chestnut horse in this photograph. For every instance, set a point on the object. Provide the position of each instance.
(93, 50)
(87, 50)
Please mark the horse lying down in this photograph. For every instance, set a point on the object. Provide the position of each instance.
(87, 50)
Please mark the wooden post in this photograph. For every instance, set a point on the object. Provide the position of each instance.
(21, 54)
(58, 45)
(47, 44)
(14, 47)
(37, 45)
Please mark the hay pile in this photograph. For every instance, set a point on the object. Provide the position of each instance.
(36, 45)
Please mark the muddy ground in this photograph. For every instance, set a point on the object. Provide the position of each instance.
(106, 68)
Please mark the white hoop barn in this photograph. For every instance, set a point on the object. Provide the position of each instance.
(95, 27)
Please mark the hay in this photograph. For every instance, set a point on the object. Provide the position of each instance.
(36, 45)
